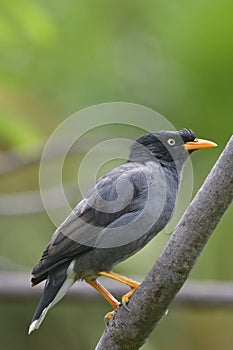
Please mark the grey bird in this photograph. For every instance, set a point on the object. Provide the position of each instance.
(125, 209)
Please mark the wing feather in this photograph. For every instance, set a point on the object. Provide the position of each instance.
(113, 196)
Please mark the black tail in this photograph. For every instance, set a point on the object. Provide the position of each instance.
(59, 280)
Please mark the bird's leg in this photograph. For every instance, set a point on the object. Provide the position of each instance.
(104, 292)
(128, 281)
(107, 296)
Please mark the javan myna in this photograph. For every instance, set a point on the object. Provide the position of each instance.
(125, 209)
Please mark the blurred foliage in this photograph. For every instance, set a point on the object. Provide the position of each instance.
(58, 57)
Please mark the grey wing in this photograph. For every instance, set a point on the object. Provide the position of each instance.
(62, 247)
(113, 196)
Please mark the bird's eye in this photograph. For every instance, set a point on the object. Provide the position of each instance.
(171, 142)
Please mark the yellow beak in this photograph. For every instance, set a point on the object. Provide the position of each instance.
(199, 144)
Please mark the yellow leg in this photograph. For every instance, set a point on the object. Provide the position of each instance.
(128, 281)
(104, 292)
(107, 296)
(115, 276)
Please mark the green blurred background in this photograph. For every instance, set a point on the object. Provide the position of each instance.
(58, 57)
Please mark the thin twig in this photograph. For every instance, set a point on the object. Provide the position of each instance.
(30, 202)
(15, 285)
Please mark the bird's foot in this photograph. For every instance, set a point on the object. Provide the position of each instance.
(125, 298)
(108, 317)
(124, 301)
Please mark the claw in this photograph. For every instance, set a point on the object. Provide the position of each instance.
(108, 317)
(124, 303)
(108, 296)
(126, 297)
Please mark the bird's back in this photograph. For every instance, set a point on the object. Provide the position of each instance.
(124, 210)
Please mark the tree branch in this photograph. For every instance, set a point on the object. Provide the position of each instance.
(129, 330)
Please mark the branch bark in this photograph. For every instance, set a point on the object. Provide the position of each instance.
(129, 330)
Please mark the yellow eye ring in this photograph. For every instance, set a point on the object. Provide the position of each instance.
(171, 142)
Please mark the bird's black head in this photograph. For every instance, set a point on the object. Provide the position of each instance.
(169, 147)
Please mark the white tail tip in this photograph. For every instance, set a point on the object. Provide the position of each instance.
(33, 326)
(36, 324)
